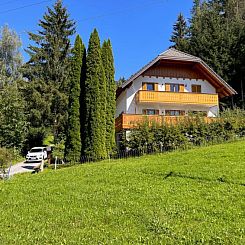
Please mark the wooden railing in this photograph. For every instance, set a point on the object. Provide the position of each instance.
(143, 96)
(130, 121)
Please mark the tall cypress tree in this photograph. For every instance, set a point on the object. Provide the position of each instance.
(95, 100)
(108, 63)
(49, 60)
(73, 136)
(180, 34)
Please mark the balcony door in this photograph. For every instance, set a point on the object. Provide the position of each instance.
(174, 87)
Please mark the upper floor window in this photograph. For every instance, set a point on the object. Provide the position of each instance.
(196, 88)
(150, 86)
(174, 87)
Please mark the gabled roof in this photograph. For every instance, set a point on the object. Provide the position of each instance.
(176, 55)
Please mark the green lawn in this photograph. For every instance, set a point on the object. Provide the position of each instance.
(189, 197)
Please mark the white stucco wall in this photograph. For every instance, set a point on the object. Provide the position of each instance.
(121, 104)
(126, 102)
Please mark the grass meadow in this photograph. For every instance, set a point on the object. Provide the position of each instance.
(185, 197)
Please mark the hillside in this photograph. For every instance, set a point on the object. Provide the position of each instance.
(191, 197)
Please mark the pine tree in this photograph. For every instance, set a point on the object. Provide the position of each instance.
(180, 34)
(95, 100)
(108, 63)
(73, 136)
(49, 60)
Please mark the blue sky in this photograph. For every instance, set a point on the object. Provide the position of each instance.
(139, 30)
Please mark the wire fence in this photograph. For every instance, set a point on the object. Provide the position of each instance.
(130, 153)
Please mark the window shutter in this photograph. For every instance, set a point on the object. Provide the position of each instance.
(144, 86)
(156, 86)
(144, 111)
(181, 88)
(157, 112)
(167, 87)
(199, 90)
(193, 88)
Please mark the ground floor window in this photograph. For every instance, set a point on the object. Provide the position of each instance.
(150, 112)
(174, 113)
(200, 113)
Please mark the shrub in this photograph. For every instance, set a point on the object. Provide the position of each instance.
(5, 158)
(193, 131)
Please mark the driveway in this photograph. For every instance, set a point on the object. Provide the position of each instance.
(23, 167)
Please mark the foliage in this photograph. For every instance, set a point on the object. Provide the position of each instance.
(13, 123)
(185, 197)
(217, 36)
(59, 150)
(120, 82)
(95, 101)
(49, 61)
(38, 112)
(73, 136)
(108, 63)
(193, 131)
(10, 56)
(35, 137)
(179, 37)
(5, 158)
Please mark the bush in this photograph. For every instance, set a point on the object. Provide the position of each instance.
(193, 131)
(5, 158)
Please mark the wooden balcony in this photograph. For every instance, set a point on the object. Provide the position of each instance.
(130, 121)
(176, 98)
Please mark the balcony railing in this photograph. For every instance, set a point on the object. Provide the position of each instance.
(143, 96)
(130, 121)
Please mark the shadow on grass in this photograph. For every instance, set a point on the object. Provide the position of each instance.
(221, 179)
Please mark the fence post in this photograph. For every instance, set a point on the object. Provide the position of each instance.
(55, 163)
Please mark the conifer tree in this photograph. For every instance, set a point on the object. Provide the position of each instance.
(49, 60)
(95, 100)
(108, 63)
(73, 136)
(180, 34)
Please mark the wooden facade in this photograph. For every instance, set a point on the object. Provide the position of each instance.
(174, 69)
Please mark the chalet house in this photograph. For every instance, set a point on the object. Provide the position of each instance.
(172, 85)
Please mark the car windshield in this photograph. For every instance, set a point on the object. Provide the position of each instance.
(36, 150)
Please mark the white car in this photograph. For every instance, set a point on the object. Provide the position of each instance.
(36, 154)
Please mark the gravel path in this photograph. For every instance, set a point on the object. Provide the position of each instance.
(23, 167)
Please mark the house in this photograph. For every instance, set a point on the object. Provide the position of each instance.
(172, 85)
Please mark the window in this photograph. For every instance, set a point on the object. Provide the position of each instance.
(150, 86)
(150, 112)
(174, 87)
(196, 88)
(198, 113)
(174, 113)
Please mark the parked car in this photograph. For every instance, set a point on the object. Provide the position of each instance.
(36, 154)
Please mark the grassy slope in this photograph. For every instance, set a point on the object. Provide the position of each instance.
(131, 201)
